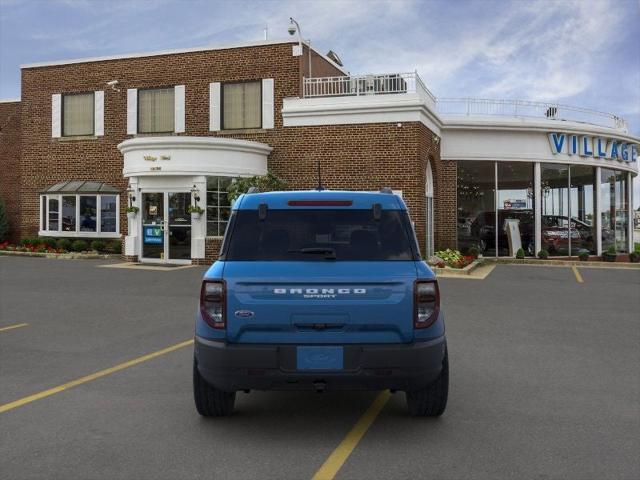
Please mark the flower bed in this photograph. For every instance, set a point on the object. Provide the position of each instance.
(47, 245)
(451, 258)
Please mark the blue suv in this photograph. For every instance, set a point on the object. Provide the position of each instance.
(320, 290)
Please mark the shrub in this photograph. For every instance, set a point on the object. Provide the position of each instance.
(4, 222)
(47, 242)
(64, 244)
(115, 247)
(634, 257)
(583, 256)
(543, 254)
(29, 242)
(79, 246)
(264, 183)
(611, 250)
(520, 253)
(97, 245)
(474, 252)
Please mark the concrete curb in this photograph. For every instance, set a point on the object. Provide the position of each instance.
(63, 256)
(564, 263)
(459, 271)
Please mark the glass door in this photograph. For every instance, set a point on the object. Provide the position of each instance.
(179, 244)
(166, 227)
(153, 215)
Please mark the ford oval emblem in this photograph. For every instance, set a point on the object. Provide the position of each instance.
(243, 313)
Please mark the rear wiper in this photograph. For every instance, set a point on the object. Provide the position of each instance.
(329, 253)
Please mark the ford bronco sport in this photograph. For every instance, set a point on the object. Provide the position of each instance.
(320, 290)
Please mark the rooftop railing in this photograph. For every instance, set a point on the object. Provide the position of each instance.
(528, 109)
(357, 85)
(402, 83)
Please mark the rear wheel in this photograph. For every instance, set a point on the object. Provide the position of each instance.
(211, 402)
(432, 400)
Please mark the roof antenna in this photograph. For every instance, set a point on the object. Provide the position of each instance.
(319, 177)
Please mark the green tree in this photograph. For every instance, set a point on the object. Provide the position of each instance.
(264, 183)
(4, 222)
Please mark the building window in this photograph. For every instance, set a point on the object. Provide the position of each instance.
(156, 110)
(477, 206)
(78, 114)
(88, 213)
(515, 206)
(241, 105)
(614, 210)
(69, 213)
(53, 213)
(581, 202)
(554, 220)
(108, 213)
(80, 215)
(218, 205)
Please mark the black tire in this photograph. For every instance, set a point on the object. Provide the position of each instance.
(432, 400)
(211, 402)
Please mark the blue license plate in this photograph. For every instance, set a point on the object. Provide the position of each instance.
(320, 358)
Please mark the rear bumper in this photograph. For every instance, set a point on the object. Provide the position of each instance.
(232, 367)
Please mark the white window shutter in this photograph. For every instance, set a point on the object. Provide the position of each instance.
(178, 124)
(98, 112)
(214, 106)
(132, 111)
(56, 115)
(267, 103)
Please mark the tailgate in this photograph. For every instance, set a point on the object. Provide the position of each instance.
(320, 302)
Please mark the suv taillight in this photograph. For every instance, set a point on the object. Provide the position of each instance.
(426, 303)
(212, 303)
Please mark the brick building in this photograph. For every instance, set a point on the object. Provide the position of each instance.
(162, 131)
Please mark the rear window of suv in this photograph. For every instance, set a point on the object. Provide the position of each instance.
(320, 234)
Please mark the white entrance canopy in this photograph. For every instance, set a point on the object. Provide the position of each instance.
(193, 156)
(181, 164)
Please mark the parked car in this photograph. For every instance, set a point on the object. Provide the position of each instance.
(555, 234)
(483, 229)
(320, 290)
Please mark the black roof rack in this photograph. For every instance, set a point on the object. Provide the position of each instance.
(253, 190)
(386, 190)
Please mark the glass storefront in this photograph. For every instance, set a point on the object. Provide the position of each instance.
(554, 222)
(582, 206)
(614, 209)
(516, 220)
(497, 202)
(477, 207)
(478, 224)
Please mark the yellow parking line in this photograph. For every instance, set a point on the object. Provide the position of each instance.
(102, 373)
(11, 327)
(577, 274)
(332, 465)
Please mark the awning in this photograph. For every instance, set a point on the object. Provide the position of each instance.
(81, 186)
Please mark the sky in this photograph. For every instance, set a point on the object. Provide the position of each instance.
(584, 53)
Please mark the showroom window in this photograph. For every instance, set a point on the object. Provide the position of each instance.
(73, 209)
(614, 209)
(477, 206)
(554, 221)
(516, 221)
(582, 206)
(156, 110)
(78, 114)
(241, 105)
(218, 205)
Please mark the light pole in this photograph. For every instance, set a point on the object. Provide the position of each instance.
(294, 27)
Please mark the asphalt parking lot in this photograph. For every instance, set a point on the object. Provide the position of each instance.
(545, 383)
